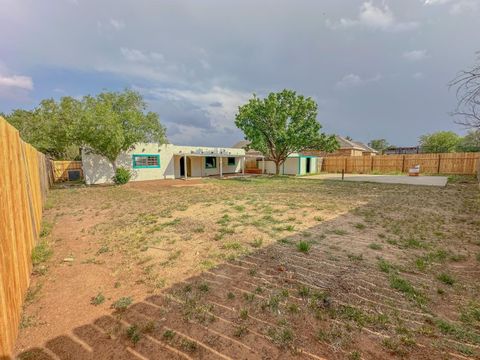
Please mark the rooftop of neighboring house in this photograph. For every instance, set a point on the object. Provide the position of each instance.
(356, 145)
(244, 144)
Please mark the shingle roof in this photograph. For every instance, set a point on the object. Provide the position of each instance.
(357, 145)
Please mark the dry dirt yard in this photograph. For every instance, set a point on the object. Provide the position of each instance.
(265, 268)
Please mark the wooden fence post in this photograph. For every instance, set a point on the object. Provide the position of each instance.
(403, 164)
(438, 168)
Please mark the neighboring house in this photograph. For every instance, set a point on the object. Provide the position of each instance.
(154, 162)
(402, 150)
(347, 148)
(296, 164)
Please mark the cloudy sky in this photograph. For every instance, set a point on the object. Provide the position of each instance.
(377, 69)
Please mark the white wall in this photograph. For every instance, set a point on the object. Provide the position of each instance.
(98, 170)
(290, 167)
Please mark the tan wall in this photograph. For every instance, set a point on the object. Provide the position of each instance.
(25, 176)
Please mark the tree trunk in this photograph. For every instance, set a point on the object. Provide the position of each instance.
(114, 165)
(277, 167)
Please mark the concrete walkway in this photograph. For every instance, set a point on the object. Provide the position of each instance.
(385, 179)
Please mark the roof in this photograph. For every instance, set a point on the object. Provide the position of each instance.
(242, 144)
(350, 144)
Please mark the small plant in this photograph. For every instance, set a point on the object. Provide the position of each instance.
(188, 345)
(355, 257)
(404, 286)
(293, 308)
(385, 266)
(257, 243)
(360, 226)
(354, 355)
(203, 287)
(304, 291)
(375, 246)
(122, 176)
(98, 299)
(340, 232)
(240, 331)
(134, 334)
(230, 295)
(122, 304)
(168, 334)
(446, 279)
(41, 253)
(244, 314)
(103, 249)
(318, 218)
(304, 246)
(248, 296)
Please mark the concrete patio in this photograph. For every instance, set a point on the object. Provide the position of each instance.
(385, 179)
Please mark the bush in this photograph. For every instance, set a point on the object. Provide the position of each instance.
(122, 176)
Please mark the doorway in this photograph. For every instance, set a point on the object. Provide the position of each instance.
(308, 165)
(182, 167)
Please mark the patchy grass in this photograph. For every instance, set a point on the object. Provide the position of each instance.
(41, 253)
(304, 246)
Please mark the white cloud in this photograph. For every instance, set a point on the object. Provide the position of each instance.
(135, 55)
(16, 81)
(463, 7)
(374, 17)
(117, 24)
(415, 55)
(353, 80)
(110, 25)
(435, 2)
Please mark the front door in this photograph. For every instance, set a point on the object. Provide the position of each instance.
(308, 165)
(182, 166)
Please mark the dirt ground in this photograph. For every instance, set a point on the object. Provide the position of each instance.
(266, 268)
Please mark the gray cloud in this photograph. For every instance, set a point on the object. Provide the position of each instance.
(196, 62)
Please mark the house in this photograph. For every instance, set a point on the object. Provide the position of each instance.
(347, 148)
(153, 162)
(296, 164)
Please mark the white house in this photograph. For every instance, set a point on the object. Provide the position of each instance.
(153, 162)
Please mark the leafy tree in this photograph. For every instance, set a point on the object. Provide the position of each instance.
(281, 124)
(379, 144)
(50, 127)
(470, 142)
(112, 122)
(439, 142)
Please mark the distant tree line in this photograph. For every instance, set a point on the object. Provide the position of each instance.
(438, 142)
(105, 124)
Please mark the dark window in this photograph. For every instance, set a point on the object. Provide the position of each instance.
(146, 161)
(231, 161)
(210, 162)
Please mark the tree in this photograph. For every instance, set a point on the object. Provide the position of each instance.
(281, 124)
(379, 144)
(439, 142)
(113, 122)
(467, 84)
(50, 127)
(470, 142)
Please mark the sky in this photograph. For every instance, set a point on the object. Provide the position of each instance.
(377, 69)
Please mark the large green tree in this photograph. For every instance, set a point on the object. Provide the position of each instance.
(51, 127)
(470, 142)
(379, 144)
(281, 124)
(113, 122)
(439, 142)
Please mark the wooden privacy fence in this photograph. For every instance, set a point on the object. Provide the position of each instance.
(447, 163)
(61, 169)
(25, 176)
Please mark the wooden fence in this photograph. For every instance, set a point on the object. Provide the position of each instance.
(25, 176)
(448, 163)
(61, 169)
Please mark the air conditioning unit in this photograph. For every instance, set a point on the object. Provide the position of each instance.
(74, 175)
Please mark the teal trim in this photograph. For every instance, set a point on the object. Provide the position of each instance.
(300, 157)
(214, 162)
(135, 166)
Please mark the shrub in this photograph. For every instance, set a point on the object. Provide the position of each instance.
(122, 176)
(122, 303)
(303, 246)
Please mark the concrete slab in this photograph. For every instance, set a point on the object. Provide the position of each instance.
(385, 179)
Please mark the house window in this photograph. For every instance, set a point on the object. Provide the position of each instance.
(231, 161)
(146, 161)
(210, 162)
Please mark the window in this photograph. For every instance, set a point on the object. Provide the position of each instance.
(231, 161)
(146, 161)
(210, 162)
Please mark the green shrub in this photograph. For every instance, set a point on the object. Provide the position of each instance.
(41, 253)
(122, 176)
